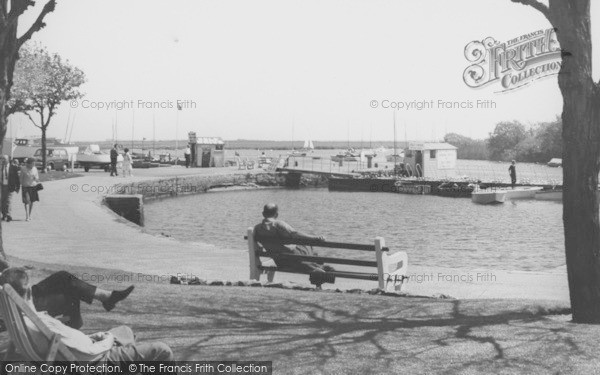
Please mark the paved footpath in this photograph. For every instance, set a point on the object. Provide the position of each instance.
(72, 227)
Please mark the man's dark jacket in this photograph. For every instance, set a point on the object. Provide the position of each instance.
(14, 184)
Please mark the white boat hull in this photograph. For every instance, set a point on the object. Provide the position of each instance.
(522, 192)
(550, 195)
(488, 197)
(94, 158)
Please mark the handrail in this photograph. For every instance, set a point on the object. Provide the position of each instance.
(317, 243)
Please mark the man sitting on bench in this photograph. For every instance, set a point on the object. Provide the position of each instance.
(271, 231)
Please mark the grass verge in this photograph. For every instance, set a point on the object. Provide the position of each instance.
(328, 332)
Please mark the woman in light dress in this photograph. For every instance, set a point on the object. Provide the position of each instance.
(29, 181)
(127, 161)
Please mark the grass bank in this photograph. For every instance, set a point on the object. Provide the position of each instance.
(327, 332)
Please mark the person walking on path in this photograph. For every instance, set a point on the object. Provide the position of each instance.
(127, 163)
(9, 183)
(29, 179)
(114, 154)
(512, 170)
(188, 156)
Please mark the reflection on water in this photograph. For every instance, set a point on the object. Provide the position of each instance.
(435, 231)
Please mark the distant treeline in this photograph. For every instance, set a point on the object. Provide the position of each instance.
(511, 140)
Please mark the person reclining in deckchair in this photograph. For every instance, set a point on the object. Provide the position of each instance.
(101, 346)
(61, 293)
(270, 230)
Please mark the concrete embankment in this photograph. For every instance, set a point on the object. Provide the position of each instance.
(194, 184)
(126, 199)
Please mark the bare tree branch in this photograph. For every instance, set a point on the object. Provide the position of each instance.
(33, 122)
(17, 8)
(38, 24)
(536, 5)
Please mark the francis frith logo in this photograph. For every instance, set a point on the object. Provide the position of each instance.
(512, 64)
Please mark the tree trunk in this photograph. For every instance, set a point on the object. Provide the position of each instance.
(581, 158)
(7, 63)
(3, 126)
(9, 48)
(43, 149)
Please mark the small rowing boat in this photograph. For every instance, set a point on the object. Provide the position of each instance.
(489, 196)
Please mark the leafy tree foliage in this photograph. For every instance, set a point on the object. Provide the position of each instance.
(504, 140)
(42, 81)
(468, 148)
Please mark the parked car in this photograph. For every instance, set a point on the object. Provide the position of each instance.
(56, 158)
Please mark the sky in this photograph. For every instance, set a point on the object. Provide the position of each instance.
(282, 70)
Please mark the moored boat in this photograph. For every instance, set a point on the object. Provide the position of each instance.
(549, 195)
(348, 155)
(522, 192)
(489, 196)
(555, 162)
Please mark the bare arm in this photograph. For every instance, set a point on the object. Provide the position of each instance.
(304, 236)
(286, 230)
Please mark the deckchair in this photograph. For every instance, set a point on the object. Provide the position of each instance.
(13, 309)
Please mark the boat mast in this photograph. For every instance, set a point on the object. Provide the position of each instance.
(116, 132)
(132, 128)
(395, 148)
(348, 135)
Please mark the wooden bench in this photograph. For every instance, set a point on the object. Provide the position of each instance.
(391, 268)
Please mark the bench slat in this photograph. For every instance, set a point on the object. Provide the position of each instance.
(309, 258)
(333, 245)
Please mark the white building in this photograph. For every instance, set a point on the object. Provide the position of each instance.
(431, 159)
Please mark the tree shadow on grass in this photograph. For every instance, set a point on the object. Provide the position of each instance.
(302, 333)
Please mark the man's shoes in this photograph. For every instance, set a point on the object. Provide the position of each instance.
(116, 296)
(319, 276)
(8, 218)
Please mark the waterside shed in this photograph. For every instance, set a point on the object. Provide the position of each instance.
(206, 151)
(431, 159)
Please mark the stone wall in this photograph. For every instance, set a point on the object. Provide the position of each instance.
(176, 186)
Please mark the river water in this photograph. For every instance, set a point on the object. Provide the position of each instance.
(524, 235)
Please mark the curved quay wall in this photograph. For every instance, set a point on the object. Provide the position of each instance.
(127, 200)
